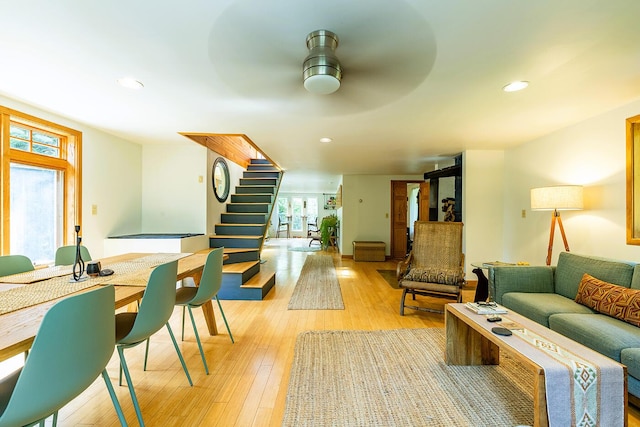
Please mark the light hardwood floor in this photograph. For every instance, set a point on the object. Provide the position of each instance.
(248, 380)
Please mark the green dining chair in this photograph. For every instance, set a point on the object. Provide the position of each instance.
(192, 297)
(66, 255)
(14, 264)
(72, 347)
(155, 309)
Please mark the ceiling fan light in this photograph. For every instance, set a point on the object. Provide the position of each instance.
(322, 84)
(321, 70)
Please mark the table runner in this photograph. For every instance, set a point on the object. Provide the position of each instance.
(37, 275)
(595, 385)
(133, 273)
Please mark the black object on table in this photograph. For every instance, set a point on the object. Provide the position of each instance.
(482, 290)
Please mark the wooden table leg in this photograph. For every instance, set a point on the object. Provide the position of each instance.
(465, 346)
(207, 310)
(540, 415)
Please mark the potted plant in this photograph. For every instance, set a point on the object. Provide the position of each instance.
(327, 227)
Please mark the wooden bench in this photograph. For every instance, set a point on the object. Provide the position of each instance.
(368, 251)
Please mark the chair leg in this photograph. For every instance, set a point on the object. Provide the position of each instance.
(225, 319)
(132, 392)
(146, 353)
(183, 322)
(114, 398)
(175, 344)
(404, 295)
(195, 330)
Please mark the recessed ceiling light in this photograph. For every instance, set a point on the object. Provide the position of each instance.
(515, 86)
(325, 139)
(130, 83)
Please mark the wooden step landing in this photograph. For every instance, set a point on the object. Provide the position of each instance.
(260, 280)
(239, 267)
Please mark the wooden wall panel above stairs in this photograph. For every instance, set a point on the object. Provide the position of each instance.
(242, 230)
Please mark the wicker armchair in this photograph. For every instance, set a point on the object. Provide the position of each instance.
(435, 265)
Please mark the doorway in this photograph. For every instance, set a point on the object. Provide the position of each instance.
(409, 203)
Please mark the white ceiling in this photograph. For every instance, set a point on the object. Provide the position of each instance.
(422, 78)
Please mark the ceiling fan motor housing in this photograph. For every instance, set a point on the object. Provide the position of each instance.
(322, 72)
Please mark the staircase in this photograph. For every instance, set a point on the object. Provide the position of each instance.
(242, 230)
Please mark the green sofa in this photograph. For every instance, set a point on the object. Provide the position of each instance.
(546, 294)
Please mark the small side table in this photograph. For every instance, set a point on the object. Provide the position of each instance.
(482, 289)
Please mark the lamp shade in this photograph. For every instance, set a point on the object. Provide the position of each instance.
(558, 197)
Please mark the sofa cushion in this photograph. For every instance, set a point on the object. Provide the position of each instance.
(635, 280)
(609, 299)
(604, 334)
(631, 358)
(539, 306)
(571, 268)
(435, 275)
(505, 279)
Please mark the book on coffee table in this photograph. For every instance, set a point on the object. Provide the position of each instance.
(486, 308)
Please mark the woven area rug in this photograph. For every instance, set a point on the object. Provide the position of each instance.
(399, 378)
(305, 249)
(317, 287)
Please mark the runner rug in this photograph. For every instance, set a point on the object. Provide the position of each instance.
(399, 378)
(317, 287)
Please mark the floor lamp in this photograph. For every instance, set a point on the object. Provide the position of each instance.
(557, 198)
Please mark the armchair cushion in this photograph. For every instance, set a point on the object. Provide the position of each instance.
(612, 300)
(435, 275)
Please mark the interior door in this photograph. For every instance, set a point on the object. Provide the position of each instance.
(423, 201)
(399, 219)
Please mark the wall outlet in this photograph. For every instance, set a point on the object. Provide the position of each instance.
(524, 213)
(94, 209)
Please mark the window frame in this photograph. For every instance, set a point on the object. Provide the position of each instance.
(70, 162)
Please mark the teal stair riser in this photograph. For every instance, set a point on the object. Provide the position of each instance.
(261, 174)
(243, 218)
(248, 207)
(251, 198)
(256, 189)
(216, 242)
(259, 182)
(266, 168)
(229, 292)
(260, 162)
(239, 230)
(237, 279)
(236, 257)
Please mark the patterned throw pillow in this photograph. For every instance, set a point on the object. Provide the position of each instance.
(435, 275)
(612, 300)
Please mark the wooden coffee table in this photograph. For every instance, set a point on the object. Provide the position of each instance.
(469, 341)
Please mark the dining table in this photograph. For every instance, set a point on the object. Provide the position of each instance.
(22, 307)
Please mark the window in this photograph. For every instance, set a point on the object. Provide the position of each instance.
(283, 208)
(312, 211)
(41, 185)
(296, 210)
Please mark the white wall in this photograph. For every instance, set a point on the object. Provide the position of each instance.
(214, 207)
(482, 207)
(174, 188)
(591, 153)
(366, 209)
(111, 180)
